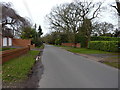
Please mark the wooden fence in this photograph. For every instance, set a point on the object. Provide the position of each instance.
(10, 54)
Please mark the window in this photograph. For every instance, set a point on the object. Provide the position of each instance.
(10, 41)
(4, 41)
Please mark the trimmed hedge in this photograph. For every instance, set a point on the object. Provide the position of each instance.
(111, 46)
(104, 38)
(82, 39)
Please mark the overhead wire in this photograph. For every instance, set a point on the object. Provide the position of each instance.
(27, 9)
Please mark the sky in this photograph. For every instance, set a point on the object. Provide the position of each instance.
(36, 10)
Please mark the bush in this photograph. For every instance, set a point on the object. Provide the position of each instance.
(111, 46)
(81, 40)
(37, 41)
(58, 42)
(104, 38)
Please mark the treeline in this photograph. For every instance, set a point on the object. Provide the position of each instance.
(73, 22)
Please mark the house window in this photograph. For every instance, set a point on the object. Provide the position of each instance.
(10, 41)
(4, 41)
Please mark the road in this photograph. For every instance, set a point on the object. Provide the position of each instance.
(63, 69)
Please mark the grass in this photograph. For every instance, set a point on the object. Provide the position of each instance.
(86, 51)
(18, 68)
(83, 50)
(91, 51)
(3, 49)
(113, 64)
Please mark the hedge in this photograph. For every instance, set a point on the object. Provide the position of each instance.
(104, 38)
(82, 39)
(111, 46)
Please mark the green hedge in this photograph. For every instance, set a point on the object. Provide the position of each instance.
(104, 38)
(82, 39)
(111, 46)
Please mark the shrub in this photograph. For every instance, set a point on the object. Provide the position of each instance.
(81, 40)
(104, 38)
(111, 46)
(37, 41)
(58, 42)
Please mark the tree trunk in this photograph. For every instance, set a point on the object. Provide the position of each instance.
(87, 41)
(75, 43)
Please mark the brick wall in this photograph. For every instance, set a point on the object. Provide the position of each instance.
(21, 42)
(71, 44)
(10, 54)
(32, 46)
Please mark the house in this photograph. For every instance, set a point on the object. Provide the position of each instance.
(7, 40)
(0, 39)
(6, 37)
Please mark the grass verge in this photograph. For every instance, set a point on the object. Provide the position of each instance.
(83, 50)
(18, 68)
(109, 62)
(113, 64)
(3, 49)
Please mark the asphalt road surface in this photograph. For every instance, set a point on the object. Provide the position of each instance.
(63, 69)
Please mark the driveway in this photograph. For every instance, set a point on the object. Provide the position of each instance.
(63, 69)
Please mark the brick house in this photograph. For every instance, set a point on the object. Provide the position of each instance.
(6, 38)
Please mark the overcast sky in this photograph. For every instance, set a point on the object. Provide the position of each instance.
(36, 10)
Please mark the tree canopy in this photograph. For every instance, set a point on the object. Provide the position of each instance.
(70, 18)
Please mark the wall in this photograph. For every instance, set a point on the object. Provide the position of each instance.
(10, 54)
(21, 42)
(32, 46)
(71, 44)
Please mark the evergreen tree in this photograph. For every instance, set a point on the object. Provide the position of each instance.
(40, 31)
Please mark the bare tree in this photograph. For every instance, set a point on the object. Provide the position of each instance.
(117, 7)
(89, 11)
(102, 28)
(69, 18)
(12, 19)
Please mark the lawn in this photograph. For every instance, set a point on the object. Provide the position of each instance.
(17, 69)
(86, 51)
(7, 48)
(83, 50)
(114, 64)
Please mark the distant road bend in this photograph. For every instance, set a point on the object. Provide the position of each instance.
(63, 69)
